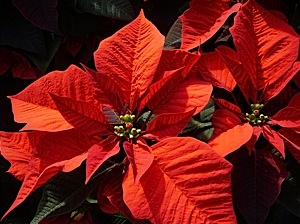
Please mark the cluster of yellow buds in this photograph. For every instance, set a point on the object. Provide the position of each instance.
(256, 118)
(127, 130)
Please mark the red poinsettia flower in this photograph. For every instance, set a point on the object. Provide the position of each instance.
(71, 111)
(255, 69)
(17, 64)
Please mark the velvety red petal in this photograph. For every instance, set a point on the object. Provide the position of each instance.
(169, 124)
(190, 176)
(213, 69)
(275, 88)
(288, 117)
(140, 157)
(51, 153)
(202, 20)
(232, 139)
(223, 120)
(293, 140)
(130, 57)
(224, 104)
(295, 101)
(263, 42)
(35, 106)
(81, 115)
(99, 153)
(247, 83)
(175, 59)
(275, 140)
(191, 93)
(17, 149)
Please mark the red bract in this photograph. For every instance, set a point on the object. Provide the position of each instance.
(78, 108)
(203, 20)
(263, 42)
(18, 65)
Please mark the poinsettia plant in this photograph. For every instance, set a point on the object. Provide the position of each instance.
(194, 127)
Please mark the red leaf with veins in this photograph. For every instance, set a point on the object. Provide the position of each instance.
(293, 140)
(107, 90)
(263, 42)
(274, 139)
(81, 115)
(287, 117)
(191, 93)
(159, 91)
(168, 124)
(110, 194)
(213, 69)
(99, 153)
(223, 120)
(182, 185)
(202, 20)
(232, 139)
(224, 104)
(295, 101)
(140, 157)
(247, 84)
(275, 88)
(175, 59)
(36, 99)
(130, 57)
(255, 135)
(21, 153)
(50, 153)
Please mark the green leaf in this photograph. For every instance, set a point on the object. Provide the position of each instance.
(200, 126)
(173, 38)
(115, 9)
(119, 219)
(66, 192)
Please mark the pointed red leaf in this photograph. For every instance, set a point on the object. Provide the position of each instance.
(202, 20)
(223, 120)
(159, 91)
(99, 153)
(175, 59)
(224, 104)
(288, 117)
(22, 69)
(107, 90)
(213, 69)
(247, 83)
(190, 176)
(191, 93)
(131, 57)
(35, 106)
(232, 139)
(275, 88)
(17, 149)
(51, 153)
(81, 115)
(275, 140)
(169, 124)
(110, 194)
(293, 140)
(295, 101)
(140, 158)
(255, 135)
(263, 42)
